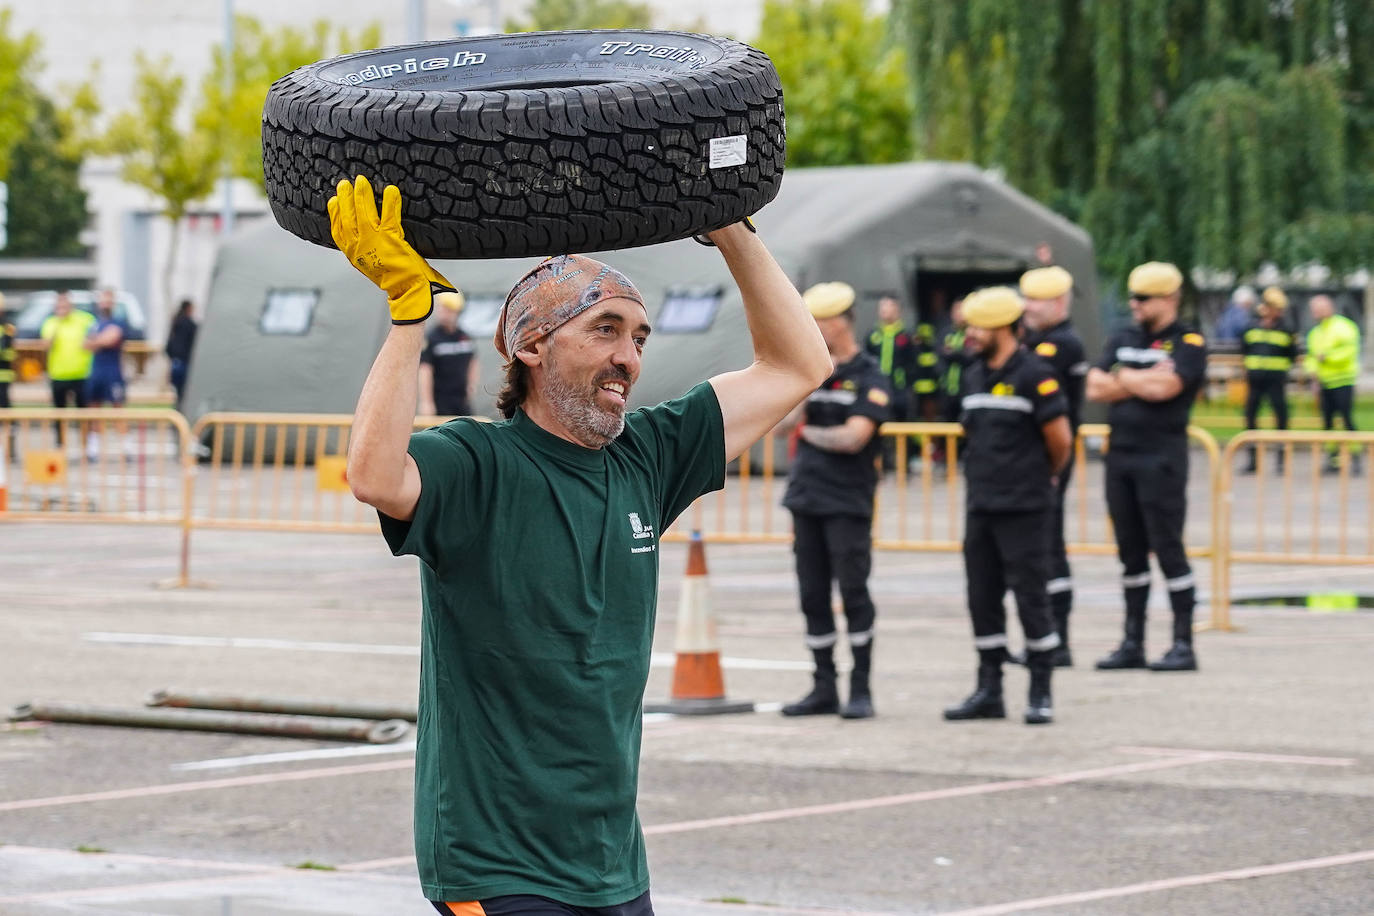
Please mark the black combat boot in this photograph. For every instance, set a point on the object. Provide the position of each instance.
(986, 700)
(823, 699)
(1039, 703)
(1061, 656)
(1252, 464)
(1180, 656)
(860, 703)
(1131, 652)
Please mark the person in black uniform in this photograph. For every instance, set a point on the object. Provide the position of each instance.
(1050, 336)
(1015, 418)
(1268, 350)
(181, 340)
(7, 354)
(1149, 373)
(830, 494)
(896, 350)
(448, 364)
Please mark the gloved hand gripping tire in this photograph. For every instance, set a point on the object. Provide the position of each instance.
(377, 247)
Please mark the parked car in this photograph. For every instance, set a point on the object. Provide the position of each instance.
(39, 306)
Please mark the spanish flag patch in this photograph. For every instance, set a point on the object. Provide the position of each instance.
(1046, 348)
(878, 396)
(1048, 387)
(1194, 340)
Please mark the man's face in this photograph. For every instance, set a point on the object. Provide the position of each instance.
(981, 342)
(1041, 313)
(448, 318)
(1321, 307)
(1150, 311)
(1266, 313)
(106, 302)
(835, 332)
(590, 364)
(888, 310)
(62, 306)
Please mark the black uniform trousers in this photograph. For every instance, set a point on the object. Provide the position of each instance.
(1148, 501)
(1060, 583)
(1266, 386)
(834, 548)
(1008, 550)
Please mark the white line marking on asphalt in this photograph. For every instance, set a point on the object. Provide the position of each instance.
(228, 782)
(1240, 755)
(323, 753)
(657, 659)
(245, 642)
(1164, 884)
(910, 798)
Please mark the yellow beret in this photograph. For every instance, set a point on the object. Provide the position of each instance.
(453, 301)
(1046, 283)
(993, 307)
(1155, 278)
(826, 300)
(1275, 298)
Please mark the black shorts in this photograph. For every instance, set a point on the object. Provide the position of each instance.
(530, 905)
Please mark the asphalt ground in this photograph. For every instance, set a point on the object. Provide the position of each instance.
(1245, 788)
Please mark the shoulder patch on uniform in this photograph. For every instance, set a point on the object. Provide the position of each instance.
(1048, 387)
(1046, 348)
(1194, 339)
(878, 396)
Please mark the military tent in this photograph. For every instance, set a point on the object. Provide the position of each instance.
(292, 327)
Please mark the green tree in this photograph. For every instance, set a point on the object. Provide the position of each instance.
(176, 163)
(18, 61)
(563, 15)
(47, 206)
(1216, 133)
(843, 79)
(232, 114)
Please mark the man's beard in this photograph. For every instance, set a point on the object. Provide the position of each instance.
(575, 407)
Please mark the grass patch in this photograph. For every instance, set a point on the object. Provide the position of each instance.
(1225, 420)
(727, 900)
(84, 848)
(314, 866)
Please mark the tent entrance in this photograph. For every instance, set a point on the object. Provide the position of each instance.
(934, 290)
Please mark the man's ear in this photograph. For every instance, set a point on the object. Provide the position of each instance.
(532, 355)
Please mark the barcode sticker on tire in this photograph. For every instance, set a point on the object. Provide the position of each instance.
(728, 151)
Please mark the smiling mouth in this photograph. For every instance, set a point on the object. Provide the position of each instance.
(616, 389)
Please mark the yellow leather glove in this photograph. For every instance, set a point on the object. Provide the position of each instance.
(377, 247)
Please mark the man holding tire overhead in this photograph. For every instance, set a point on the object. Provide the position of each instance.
(538, 537)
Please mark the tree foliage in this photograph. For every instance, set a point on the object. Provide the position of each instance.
(231, 111)
(169, 153)
(843, 79)
(18, 60)
(47, 206)
(562, 15)
(1216, 133)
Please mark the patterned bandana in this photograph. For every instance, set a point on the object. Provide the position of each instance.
(554, 293)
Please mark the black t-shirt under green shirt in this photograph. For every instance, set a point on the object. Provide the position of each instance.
(539, 576)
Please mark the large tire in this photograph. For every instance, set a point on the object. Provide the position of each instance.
(532, 144)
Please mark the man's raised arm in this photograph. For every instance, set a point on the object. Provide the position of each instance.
(790, 357)
(381, 472)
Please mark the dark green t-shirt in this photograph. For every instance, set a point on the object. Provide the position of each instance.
(539, 571)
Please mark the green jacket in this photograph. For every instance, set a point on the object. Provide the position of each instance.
(1333, 352)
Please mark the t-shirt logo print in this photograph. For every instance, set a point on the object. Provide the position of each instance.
(640, 529)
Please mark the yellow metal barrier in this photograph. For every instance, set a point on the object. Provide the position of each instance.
(279, 472)
(1315, 511)
(106, 465)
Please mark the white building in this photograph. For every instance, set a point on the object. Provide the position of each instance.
(129, 238)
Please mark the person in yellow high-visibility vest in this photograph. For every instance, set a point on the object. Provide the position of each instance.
(1268, 350)
(1333, 359)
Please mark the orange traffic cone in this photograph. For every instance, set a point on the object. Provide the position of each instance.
(698, 685)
